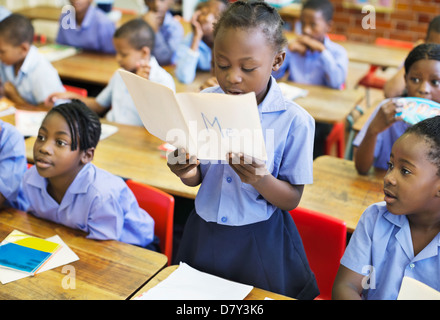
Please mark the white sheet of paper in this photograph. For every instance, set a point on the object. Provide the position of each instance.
(208, 125)
(187, 283)
(64, 256)
(291, 92)
(412, 289)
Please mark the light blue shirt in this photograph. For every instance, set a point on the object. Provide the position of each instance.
(167, 39)
(116, 95)
(382, 242)
(96, 202)
(95, 33)
(4, 13)
(12, 164)
(189, 61)
(288, 131)
(36, 79)
(385, 139)
(327, 68)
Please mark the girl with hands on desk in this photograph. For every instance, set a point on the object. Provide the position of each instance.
(372, 145)
(240, 228)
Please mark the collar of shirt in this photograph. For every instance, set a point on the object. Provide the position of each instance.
(30, 61)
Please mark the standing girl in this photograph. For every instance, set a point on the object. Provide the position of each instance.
(373, 144)
(241, 229)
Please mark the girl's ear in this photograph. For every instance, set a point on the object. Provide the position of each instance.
(87, 155)
(146, 53)
(278, 60)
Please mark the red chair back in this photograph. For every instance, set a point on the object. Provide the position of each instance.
(394, 43)
(80, 91)
(160, 206)
(324, 240)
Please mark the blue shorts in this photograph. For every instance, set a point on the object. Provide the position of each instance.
(268, 255)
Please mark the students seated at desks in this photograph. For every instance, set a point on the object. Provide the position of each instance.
(398, 237)
(65, 187)
(27, 77)
(91, 29)
(373, 143)
(133, 42)
(240, 228)
(395, 86)
(12, 165)
(169, 31)
(312, 58)
(195, 52)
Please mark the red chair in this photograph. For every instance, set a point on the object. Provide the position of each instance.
(370, 79)
(336, 137)
(160, 206)
(324, 240)
(80, 91)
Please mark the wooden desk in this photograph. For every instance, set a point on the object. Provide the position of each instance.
(255, 294)
(329, 105)
(339, 191)
(105, 269)
(133, 153)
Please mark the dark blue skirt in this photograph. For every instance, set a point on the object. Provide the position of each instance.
(268, 255)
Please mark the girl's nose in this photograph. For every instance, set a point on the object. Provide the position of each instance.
(424, 88)
(234, 76)
(389, 178)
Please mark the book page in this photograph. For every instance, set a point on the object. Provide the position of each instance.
(413, 289)
(220, 123)
(157, 107)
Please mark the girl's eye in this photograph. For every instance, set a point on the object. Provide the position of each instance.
(40, 137)
(222, 67)
(61, 143)
(415, 80)
(390, 165)
(435, 83)
(405, 171)
(248, 70)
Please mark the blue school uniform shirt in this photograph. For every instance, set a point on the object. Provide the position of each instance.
(36, 79)
(167, 40)
(95, 33)
(382, 243)
(385, 139)
(288, 131)
(116, 95)
(189, 61)
(327, 68)
(12, 164)
(96, 202)
(4, 13)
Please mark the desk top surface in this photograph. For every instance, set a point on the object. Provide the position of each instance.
(105, 269)
(339, 191)
(255, 294)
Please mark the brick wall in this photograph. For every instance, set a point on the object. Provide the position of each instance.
(409, 21)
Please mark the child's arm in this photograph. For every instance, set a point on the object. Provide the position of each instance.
(280, 193)
(347, 285)
(186, 167)
(88, 101)
(12, 94)
(2, 200)
(384, 118)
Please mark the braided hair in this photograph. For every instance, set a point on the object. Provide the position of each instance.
(84, 124)
(254, 14)
(428, 51)
(429, 129)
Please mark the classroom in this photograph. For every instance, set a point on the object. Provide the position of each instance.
(308, 180)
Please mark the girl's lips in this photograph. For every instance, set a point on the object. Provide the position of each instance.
(41, 163)
(389, 196)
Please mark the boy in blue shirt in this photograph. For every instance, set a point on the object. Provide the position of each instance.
(134, 42)
(169, 31)
(91, 30)
(27, 77)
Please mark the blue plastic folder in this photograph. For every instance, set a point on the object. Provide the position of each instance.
(22, 258)
(414, 110)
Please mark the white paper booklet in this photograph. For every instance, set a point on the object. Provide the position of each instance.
(412, 289)
(208, 125)
(187, 283)
(291, 92)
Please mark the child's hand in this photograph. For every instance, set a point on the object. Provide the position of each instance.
(67, 95)
(153, 19)
(298, 47)
(385, 117)
(182, 164)
(211, 82)
(311, 44)
(249, 169)
(143, 69)
(196, 26)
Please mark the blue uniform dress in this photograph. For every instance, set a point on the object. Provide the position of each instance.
(36, 79)
(167, 39)
(381, 249)
(96, 202)
(12, 164)
(95, 33)
(385, 139)
(116, 96)
(234, 232)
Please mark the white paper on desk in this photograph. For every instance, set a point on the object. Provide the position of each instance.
(412, 289)
(187, 283)
(208, 125)
(291, 92)
(29, 122)
(63, 256)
